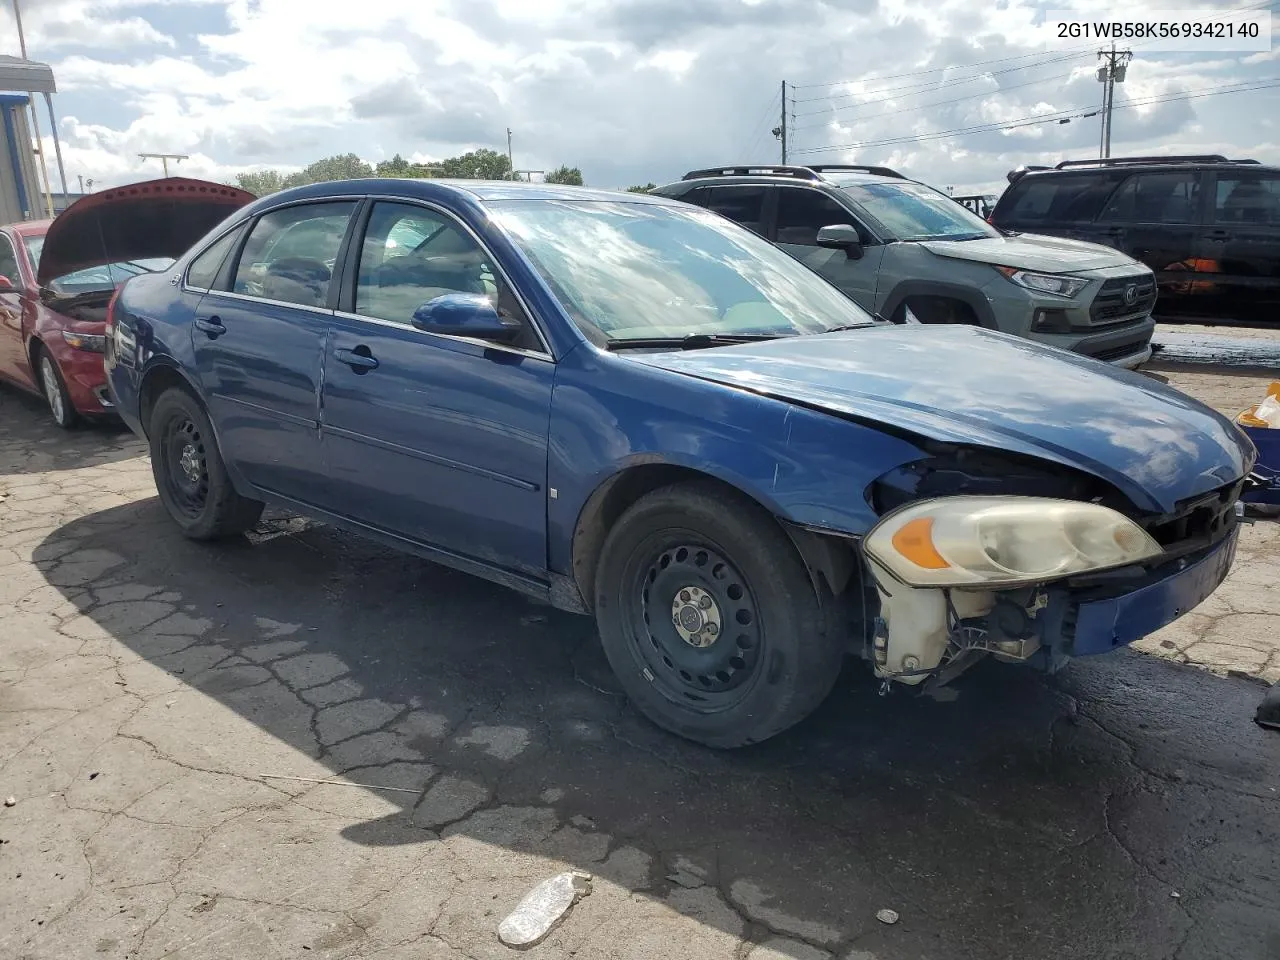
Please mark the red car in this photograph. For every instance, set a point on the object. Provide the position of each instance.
(57, 278)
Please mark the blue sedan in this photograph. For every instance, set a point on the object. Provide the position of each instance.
(636, 410)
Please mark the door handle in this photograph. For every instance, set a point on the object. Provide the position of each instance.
(361, 359)
(213, 327)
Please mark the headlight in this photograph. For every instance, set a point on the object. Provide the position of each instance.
(995, 541)
(92, 343)
(1045, 282)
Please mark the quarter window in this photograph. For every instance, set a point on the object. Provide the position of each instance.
(290, 253)
(205, 268)
(1156, 198)
(1247, 200)
(802, 213)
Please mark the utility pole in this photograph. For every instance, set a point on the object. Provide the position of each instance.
(1109, 74)
(511, 159)
(164, 158)
(781, 131)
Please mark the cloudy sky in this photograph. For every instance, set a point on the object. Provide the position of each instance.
(628, 90)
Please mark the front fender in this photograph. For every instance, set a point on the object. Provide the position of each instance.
(610, 414)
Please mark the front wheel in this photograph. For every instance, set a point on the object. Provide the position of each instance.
(190, 476)
(709, 619)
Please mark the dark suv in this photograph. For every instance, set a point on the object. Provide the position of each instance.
(1209, 227)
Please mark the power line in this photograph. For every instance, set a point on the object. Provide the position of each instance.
(930, 84)
(936, 103)
(1059, 116)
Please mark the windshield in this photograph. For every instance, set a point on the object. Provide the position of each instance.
(636, 271)
(912, 211)
(104, 277)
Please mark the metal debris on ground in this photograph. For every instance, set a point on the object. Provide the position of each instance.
(887, 916)
(542, 908)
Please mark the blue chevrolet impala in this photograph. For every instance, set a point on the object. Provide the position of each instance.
(636, 410)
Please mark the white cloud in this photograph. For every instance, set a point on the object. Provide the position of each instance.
(629, 90)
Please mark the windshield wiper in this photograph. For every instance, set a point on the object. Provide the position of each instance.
(692, 341)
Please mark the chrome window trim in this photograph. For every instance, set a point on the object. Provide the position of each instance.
(322, 311)
(429, 335)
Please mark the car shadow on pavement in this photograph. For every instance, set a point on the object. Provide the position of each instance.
(30, 442)
(1123, 809)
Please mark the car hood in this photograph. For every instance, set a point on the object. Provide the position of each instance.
(1032, 252)
(141, 221)
(966, 385)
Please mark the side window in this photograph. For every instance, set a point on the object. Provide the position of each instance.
(8, 262)
(802, 213)
(290, 253)
(395, 278)
(206, 266)
(1254, 199)
(1057, 199)
(744, 205)
(697, 196)
(1156, 198)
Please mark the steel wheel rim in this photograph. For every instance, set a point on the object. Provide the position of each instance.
(186, 466)
(695, 625)
(52, 392)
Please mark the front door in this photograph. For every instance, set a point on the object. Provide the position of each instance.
(259, 340)
(1240, 247)
(802, 212)
(437, 439)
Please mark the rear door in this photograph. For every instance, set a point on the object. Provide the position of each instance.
(1155, 217)
(259, 340)
(13, 360)
(1059, 205)
(801, 213)
(1240, 247)
(747, 204)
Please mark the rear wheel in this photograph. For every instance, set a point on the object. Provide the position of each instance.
(709, 619)
(190, 476)
(54, 389)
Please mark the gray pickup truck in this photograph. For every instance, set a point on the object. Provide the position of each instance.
(895, 245)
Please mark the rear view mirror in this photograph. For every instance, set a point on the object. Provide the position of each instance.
(841, 236)
(464, 315)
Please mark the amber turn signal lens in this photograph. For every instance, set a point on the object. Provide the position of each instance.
(915, 542)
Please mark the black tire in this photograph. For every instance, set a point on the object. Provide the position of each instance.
(190, 475)
(774, 655)
(54, 389)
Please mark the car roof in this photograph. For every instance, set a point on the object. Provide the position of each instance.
(29, 228)
(820, 176)
(1126, 165)
(481, 190)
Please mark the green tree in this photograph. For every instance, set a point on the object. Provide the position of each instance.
(398, 166)
(345, 166)
(482, 164)
(571, 176)
(260, 182)
(643, 189)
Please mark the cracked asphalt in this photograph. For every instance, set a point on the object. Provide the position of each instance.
(165, 705)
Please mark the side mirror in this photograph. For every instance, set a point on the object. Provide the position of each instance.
(464, 315)
(841, 236)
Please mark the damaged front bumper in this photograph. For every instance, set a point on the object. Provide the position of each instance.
(931, 634)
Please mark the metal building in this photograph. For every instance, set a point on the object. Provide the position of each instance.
(26, 192)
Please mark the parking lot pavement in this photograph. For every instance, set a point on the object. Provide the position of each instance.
(156, 696)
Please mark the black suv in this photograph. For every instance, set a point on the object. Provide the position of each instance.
(1209, 227)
